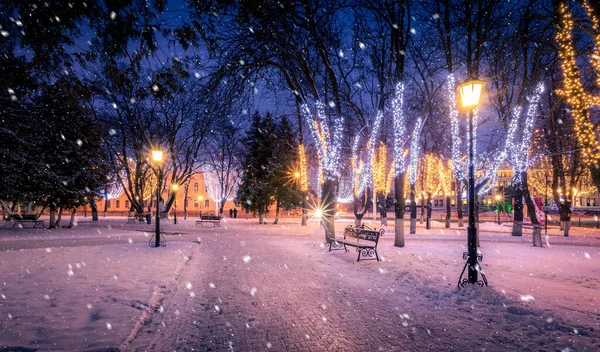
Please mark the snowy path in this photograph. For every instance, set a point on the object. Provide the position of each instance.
(252, 287)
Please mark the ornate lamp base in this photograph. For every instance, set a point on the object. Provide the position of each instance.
(462, 283)
(152, 242)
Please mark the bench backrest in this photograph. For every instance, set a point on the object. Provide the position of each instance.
(360, 233)
(210, 217)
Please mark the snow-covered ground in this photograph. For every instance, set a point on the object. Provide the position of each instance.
(246, 286)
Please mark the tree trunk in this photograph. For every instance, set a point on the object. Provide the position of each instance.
(186, 189)
(94, 207)
(413, 210)
(105, 202)
(399, 207)
(360, 207)
(518, 209)
(537, 227)
(59, 217)
(328, 203)
(422, 209)
(72, 220)
(448, 211)
(52, 221)
(382, 208)
(260, 218)
(428, 212)
(276, 213)
(304, 212)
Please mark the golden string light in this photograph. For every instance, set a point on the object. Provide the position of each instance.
(573, 90)
(303, 169)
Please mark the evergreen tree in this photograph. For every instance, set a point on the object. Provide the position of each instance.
(287, 193)
(256, 190)
(70, 165)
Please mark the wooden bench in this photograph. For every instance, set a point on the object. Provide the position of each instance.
(215, 220)
(21, 219)
(362, 237)
(137, 217)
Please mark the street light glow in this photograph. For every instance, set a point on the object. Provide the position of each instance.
(175, 187)
(157, 155)
(470, 93)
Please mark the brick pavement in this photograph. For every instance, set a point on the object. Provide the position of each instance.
(292, 295)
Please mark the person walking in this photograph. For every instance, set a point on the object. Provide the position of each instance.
(235, 213)
(230, 213)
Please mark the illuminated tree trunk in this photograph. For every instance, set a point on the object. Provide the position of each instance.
(328, 204)
(276, 213)
(537, 227)
(428, 211)
(361, 204)
(399, 206)
(448, 211)
(518, 209)
(413, 210)
(72, 220)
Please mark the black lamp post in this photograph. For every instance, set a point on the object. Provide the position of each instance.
(546, 205)
(470, 92)
(157, 156)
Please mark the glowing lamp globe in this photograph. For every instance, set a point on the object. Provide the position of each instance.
(175, 187)
(157, 155)
(498, 197)
(470, 93)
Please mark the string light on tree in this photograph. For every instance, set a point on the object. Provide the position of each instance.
(328, 143)
(573, 90)
(399, 129)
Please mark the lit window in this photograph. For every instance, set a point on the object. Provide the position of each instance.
(207, 203)
(118, 205)
(195, 204)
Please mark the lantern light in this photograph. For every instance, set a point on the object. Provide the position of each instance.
(470, 93)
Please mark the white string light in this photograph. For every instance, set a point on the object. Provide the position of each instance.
(328, 143)
(457, 163)
(519, 151)
(399, 129)
(414, 151)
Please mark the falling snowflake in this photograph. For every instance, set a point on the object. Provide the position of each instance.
(211, 285)
(108, 326)
(4, 33)
(246, 258)
(362, 45)
(253, 291)
(113, 15)
(48, 250)
(587, 255)
(46, 297)
(341, 53)
(188, 285)
(436, 16)
(155, 88)
(527, 298)
(413, 31)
